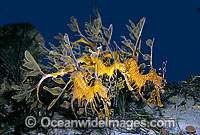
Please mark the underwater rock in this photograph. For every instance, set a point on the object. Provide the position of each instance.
(181, 102)
(190, 87)
(14, 40)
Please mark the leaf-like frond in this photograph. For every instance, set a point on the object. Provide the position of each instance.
(55, 91)
(146, 57)
(33, 105)
(58, 80)
(23, 95)
(149, 42)
(31, 64)
(52, 104)
(65, 104)
(74, 26)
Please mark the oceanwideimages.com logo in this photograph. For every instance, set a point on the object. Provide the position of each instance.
(46, 122)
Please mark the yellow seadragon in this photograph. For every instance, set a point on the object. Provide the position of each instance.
(85, 72)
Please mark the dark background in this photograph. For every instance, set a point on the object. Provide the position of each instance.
(175, 24)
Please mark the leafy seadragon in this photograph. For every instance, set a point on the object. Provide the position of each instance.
(85, 84)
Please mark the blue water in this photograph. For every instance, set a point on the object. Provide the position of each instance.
(175, 25)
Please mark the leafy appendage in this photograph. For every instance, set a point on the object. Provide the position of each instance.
(31, 64)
